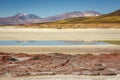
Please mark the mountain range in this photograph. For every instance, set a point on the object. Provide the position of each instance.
(113, 17)
(22, 18)
(110, 20)
(73, 14)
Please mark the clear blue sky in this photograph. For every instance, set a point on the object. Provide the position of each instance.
(44, 8)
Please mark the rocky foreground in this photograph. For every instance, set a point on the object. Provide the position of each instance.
(21, 64)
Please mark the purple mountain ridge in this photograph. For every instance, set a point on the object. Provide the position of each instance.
(72, 15)
(22, 18)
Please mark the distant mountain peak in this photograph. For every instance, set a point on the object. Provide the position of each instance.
(118, 10)
(27, 16)
(115, 13)
(91, 13)
(21, 18)
(74, 12)
(21, 14)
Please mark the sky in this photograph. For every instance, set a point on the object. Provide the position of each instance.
(45, 8)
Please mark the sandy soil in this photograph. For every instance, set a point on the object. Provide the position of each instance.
(59, 34)
(60, 49)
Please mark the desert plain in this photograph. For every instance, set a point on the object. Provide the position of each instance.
(61, 34)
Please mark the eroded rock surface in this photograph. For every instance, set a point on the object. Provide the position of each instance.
(51, 64)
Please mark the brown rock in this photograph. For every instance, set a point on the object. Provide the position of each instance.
(7, 58)
(2, 53)
(98, 66)
(107, 72)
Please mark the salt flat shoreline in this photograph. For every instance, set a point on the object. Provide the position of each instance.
(59, 34)
(61, 49)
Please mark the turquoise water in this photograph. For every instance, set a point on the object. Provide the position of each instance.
(49, 43)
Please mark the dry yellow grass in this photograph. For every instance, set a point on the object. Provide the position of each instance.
(74, 26)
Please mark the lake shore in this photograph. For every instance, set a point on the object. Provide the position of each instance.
(61, 49)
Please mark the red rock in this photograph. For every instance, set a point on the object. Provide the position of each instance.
(50, 64)
(2, 53)
(21, 55)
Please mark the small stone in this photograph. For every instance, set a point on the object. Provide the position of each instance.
(77, 73)
(88, 72)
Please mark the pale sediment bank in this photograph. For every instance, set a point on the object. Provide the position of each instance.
(61, 49)
(64, 77)
(59, 34)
